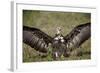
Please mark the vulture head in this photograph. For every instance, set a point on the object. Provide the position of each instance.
(58, 36)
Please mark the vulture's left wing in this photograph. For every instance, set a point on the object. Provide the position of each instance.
(78, 35)
(36, 38)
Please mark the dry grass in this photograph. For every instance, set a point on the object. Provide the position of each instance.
(48, 22)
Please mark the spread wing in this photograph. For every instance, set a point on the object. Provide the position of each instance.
(78, 35)
(36, 38)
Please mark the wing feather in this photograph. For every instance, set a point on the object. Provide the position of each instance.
(78, 35)
(36, 38)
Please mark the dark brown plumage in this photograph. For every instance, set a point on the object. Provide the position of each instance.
(61, 45)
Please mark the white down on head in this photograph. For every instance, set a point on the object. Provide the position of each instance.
(59, 37)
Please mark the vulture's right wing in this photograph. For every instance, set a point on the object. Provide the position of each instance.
(36, 38)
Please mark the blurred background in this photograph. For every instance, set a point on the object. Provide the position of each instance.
(48, 21)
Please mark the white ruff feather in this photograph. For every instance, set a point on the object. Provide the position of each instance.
(56, 54)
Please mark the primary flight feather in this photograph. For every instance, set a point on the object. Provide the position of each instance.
(61, 45)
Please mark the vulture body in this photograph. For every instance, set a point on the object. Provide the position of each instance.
(61, 45)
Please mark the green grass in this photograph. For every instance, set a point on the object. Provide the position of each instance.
(48, 22)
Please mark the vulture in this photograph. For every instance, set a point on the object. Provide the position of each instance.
(61, 45)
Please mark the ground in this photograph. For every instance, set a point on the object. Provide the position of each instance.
(48, 22)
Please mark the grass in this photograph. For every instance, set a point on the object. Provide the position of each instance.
(48, 22)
